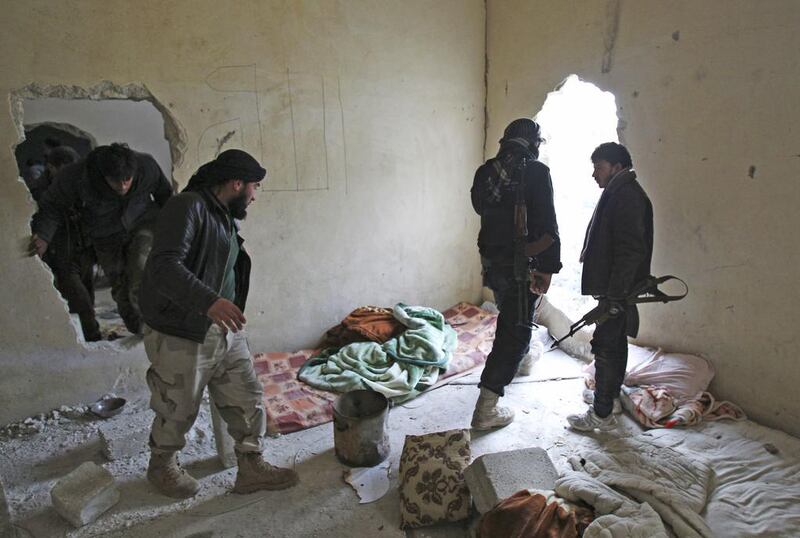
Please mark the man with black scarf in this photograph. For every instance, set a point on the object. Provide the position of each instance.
(520, 250)
(117, 193)
(193, 297)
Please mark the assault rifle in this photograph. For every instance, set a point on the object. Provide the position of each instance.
(645, 292)
(522, 274)
(523, 250)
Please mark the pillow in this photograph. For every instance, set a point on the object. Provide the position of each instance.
(432, 486)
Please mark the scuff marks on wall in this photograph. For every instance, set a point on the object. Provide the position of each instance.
(224, 140)
(293, 121)
(613, 9)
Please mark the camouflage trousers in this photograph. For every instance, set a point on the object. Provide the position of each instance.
(179, 371)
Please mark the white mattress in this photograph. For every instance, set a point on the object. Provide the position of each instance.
(754, 492)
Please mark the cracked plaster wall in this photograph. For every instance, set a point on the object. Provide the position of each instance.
(707, 95)
(368, 116)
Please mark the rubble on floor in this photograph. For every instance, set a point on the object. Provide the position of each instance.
(42, 421)
(125, 439)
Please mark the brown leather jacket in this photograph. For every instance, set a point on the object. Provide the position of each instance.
(183, 275)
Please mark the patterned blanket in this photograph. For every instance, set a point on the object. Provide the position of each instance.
(292, 405)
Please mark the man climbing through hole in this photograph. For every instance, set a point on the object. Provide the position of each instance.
(616, 256)
(70, 254)
(520, 250)
(118, 193)
(193, 297)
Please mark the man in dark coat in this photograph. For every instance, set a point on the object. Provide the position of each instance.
(616, 257)
(117, 193)
(70, 254)
(513, 194)
(193, 297)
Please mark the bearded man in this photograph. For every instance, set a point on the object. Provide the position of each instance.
(192, 298)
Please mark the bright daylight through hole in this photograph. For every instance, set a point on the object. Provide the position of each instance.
(575, 119)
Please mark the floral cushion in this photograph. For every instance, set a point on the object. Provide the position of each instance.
(432, 486)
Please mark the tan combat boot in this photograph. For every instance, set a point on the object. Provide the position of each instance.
(169, 478)
(488, 414)
(256, 474)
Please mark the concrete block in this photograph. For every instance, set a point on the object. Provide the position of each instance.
(494, 477)
(124, 438)
(85, 493)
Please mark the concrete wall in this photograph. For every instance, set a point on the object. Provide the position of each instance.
(368, 116)
(707, 95)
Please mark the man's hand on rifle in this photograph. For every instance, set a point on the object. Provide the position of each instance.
(540, 282)
(613, 307)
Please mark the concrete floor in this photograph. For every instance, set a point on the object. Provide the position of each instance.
(323, 505)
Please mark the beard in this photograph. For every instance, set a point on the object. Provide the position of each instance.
(238, 207)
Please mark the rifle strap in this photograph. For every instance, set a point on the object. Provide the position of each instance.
(655, 295)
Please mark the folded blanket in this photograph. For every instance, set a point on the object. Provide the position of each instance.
(400, 368)
(427, 341)
(364, 324)
(528, 514)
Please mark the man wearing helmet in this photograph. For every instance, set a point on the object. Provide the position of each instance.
(520, 250)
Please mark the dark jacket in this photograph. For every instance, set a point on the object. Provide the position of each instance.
(496, 237)
(106, 216)
(618, 245)
(184, 273)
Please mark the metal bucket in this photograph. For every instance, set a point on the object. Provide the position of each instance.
(359, 428)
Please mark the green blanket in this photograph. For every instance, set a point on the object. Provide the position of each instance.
(400, 368)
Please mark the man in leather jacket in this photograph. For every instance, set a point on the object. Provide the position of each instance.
(117, 193)
(513, 182)
(616, 256)
(193, 296)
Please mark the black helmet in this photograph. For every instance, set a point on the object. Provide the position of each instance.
(524, 128)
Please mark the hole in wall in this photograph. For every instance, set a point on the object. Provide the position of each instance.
(575, 118)
(52, 118)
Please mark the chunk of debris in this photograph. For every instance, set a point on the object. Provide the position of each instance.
(494, 477)
(85, 493)
(370, 483)
(772, 449)
(124, 439)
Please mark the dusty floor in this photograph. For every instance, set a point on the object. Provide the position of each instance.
(322, 505)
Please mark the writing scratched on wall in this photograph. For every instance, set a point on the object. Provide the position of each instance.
(293, 122)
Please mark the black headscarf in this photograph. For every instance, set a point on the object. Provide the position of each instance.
(230, 164)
